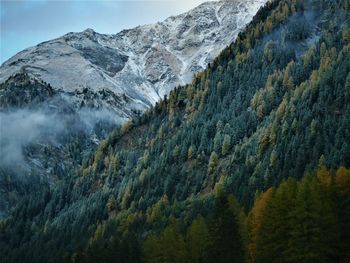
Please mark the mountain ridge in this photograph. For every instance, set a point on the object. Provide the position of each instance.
(143, 63)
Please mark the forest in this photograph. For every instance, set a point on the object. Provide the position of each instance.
(248, 163)
(298, 221)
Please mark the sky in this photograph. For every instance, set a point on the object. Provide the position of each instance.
(25, 23)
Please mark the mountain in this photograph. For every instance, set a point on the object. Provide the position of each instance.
(273, 105)
(69, 92)
(140, 65)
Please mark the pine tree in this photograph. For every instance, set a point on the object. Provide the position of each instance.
(226, 243)
(341, 196)
(152, 250)
(169, 247)
(226, 145)
(111, 203)
(313, 232)
(213, 162)
(190, 153)
(275, 230)
(197, 238)
(254, 222)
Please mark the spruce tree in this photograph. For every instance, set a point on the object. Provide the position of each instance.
(197, 238)
(226, 243)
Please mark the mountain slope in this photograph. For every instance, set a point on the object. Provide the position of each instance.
(143, 63)
(67, 93)
(274, 104)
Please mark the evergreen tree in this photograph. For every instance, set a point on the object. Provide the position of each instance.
(275, 230)
(226, 243)
(255, 221)
(314, 224)
(226, 145)
(197, 238)
(341, 197)
(169, 247)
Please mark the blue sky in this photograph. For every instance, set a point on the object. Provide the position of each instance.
(25, 23)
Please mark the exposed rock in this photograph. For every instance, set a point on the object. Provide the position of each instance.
(144, 63)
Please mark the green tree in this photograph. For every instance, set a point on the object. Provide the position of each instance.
(169, 247)
(314, 233)
(213, 162)
(226, 145)
(341, 197)
(111, 203)
(275, 230)
(197, 238)
(190, 152)
(226, 243)
(255, 221)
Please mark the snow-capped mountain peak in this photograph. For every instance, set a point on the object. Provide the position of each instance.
(138, 65)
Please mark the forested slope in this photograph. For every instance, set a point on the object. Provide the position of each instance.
(275, 104)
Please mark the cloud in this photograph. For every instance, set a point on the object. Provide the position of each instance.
(20, 128)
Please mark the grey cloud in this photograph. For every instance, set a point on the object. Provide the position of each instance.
(22, 127)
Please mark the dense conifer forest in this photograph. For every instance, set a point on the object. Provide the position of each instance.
(245, 164)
